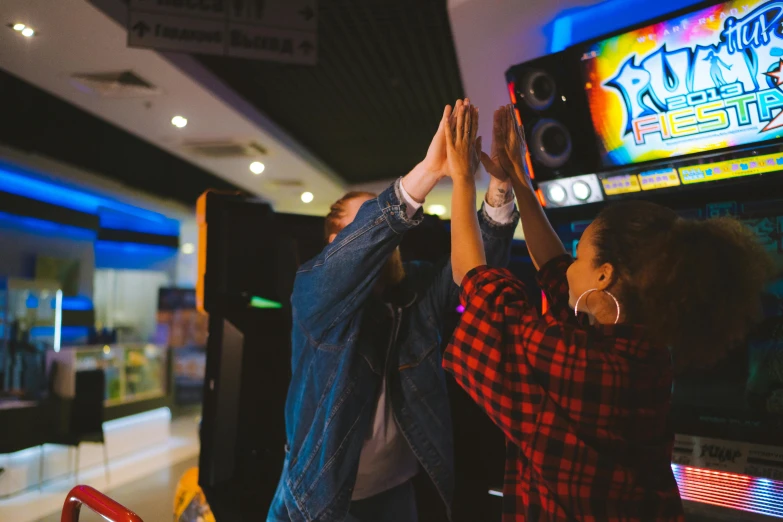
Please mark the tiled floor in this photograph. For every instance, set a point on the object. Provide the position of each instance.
(152, 497)
(144, 481)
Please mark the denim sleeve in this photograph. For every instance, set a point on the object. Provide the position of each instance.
(443, 295)
(331, 287)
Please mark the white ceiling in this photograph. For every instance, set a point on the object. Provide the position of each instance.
(74, 36)
(490, 36)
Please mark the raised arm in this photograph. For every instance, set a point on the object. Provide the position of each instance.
(542, 241)
(335, 284)
(497, 225)
(462, 151)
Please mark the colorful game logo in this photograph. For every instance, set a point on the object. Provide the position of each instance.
(702, 81)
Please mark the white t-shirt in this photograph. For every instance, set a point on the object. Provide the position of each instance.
(386, 460)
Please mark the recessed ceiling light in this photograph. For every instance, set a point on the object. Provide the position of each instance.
(257, 167)
(307, 197)
(179, 122)
(436, 210)
(28, 32)
(19, 27)
(188, 248)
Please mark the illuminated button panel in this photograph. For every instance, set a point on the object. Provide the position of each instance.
(731, 168)
(658, 179)
(625, 184)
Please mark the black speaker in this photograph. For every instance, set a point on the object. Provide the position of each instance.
(549, 97)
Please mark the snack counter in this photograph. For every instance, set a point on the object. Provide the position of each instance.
(134, 371)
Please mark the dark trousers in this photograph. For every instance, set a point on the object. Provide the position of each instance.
(395, 505)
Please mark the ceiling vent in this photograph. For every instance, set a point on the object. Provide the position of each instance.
(224, 149)
(287, 183)
(122, 84)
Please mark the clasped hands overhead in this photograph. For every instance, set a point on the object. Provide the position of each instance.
(463, 148)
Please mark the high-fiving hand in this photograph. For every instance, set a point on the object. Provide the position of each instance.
(435, 160)
(509, 149)
(516, 148)
(463, 150)
(498, 164)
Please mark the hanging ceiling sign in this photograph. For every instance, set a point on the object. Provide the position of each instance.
(274, 30)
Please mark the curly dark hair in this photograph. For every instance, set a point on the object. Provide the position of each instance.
(696, 285)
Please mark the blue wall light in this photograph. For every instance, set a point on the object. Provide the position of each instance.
(131, 256)
(587, 23)
(113, 214)
(43, 227)
(76, 303)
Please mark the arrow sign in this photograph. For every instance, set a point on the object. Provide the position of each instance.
(141, 28)
(274, 30)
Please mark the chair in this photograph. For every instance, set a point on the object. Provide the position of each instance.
(29, 424)
(85, 423)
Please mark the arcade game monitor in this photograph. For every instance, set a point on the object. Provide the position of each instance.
(685, 111)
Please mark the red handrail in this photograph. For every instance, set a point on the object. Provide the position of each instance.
(98, 502)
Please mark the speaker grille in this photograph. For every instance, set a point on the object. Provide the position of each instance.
(551, 143)
(538, 89)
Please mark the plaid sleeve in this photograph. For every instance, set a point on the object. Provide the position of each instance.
(486, 353)
(552, 280)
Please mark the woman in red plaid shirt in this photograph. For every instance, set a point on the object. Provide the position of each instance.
(582, 392)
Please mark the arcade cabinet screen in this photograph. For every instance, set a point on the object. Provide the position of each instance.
(741, 397)
(705, 80)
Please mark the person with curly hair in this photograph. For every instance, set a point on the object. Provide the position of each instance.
(583, 391)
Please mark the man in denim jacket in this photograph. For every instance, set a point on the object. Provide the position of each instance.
(367, 405)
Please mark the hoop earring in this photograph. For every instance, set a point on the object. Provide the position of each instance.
(616, 303)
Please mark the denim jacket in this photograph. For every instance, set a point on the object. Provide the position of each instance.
(339, 351)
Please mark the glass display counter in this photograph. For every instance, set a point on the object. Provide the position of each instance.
(134, 371)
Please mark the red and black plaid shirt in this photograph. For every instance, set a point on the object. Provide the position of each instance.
(584, 408)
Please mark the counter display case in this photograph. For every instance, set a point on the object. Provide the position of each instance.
(134, 371)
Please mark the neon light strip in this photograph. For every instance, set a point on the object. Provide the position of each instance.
(260, 302)
(68, 333)
(113, 214)
(58, 319)
(42, 226)
(122, 247)
(511, 93)
(730, 490)
(577, 25)
(76, 303)
(541, 198)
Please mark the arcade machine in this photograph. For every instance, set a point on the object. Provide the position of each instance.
(685, 111)
(248, 257)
